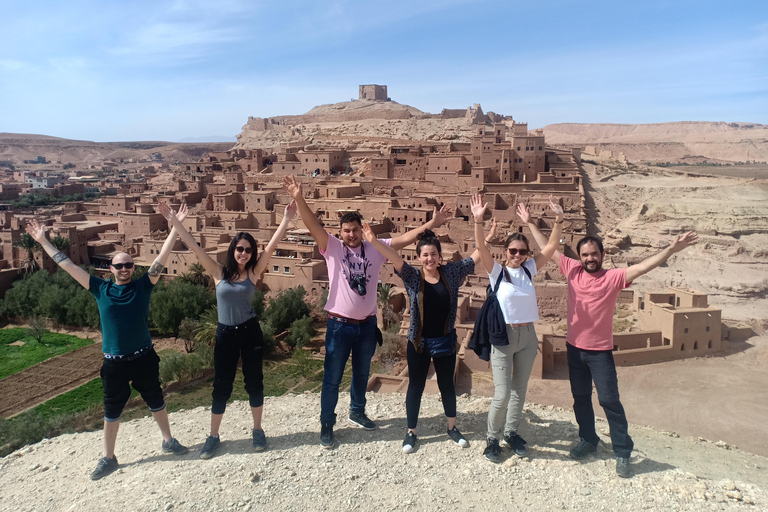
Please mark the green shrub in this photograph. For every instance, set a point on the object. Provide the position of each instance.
(301, 331)
(175, 301)
(283, 310)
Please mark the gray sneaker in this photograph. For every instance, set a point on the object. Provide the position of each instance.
(259, 440)
(174, 447)
(622, 467)
(209, 448)
(104, 467)
(582, 449)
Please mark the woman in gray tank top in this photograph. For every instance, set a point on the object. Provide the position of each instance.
(238, 333)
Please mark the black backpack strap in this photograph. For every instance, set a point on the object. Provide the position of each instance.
(527, 272)
(498, 282)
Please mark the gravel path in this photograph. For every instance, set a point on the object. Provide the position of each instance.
(368, 471)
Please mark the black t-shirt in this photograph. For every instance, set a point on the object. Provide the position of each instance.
(437, 302)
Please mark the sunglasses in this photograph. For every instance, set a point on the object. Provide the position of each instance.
(119, 266)
(521, 252)
(247, 250)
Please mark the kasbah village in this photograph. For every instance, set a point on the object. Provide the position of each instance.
(397, 166)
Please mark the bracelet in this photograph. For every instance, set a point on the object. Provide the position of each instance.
(59, 257)
(559, 221)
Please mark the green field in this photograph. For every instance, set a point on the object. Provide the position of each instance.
(13, 359)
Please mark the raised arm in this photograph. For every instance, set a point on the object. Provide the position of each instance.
(159, 264)
(650, 263)
(37, 232)
(388, 252)
(439, 217)
(317, 231)
(211, 266)
(478, 212)
(550, 248)
(488, 239)
(290, 212)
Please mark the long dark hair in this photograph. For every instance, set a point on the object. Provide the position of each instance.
(428, 237)
(231, 270)
(513, 238)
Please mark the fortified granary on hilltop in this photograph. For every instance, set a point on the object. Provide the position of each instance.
(395, 188)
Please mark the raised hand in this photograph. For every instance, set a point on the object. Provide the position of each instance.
(35, 230)
(293, 186)
(683, 241)
(477, 206)
(555, 206)
(182, 213)
(442, 215)
(523, 213)
(368, 232)
(165, 211)
(290, 210)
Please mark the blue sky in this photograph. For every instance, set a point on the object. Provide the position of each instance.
(166, 70)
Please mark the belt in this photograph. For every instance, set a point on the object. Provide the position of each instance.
(346, 320)
(127, 357)
(248, 323)
(520, 325)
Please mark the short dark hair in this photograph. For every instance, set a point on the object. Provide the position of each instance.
(428, 237)
(590, 240)
(351, 217)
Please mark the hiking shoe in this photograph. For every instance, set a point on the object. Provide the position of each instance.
(492, 451)
(361, 420)
(516, 444)
(326, 436)
(209, 448)
(409, 443)
(259, 440)
(622, 467)
(582, 449)
(174, 447)
(458, 438)
(104, 467)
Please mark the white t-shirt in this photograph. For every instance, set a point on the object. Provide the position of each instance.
(518, 298)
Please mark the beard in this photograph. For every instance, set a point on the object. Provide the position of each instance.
(592, 270)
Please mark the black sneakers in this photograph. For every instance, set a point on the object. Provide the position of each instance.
(409, 443)
(582, 449)
(492, 451)
(209, 448)
(326, 436)
(174, 447)
(104, 467)
(361, 420)
(458, 438)
(516, 444)
(622, 467)
(259, 440)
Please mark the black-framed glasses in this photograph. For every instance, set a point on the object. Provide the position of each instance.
(247, 250)
(119, 266)
(521, 252)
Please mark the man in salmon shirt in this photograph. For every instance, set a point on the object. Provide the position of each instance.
(592, 294)
(353, 276)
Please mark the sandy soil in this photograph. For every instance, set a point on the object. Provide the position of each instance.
(368, 469)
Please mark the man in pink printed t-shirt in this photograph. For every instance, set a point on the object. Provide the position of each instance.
(592, 294)
(353, 277)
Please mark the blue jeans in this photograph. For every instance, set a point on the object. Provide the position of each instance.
(341, 339)
(584, 366)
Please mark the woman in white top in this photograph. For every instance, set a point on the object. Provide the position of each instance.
(512, 362)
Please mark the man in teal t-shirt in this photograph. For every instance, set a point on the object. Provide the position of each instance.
(129, 359)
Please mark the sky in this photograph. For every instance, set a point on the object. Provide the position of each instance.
(170, 70)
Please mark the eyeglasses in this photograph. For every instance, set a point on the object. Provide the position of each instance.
(119, 266)
(247, 250)
(521, 252)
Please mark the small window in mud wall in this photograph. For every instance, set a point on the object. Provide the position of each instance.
(275, 268)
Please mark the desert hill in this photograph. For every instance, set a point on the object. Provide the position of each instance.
(690, 141)
(368, 469)
(17, 147)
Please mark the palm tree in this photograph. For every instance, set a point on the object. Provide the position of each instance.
(206, 330)
(384, 292)
(196, 275)
(60, 243)
(29, 244)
